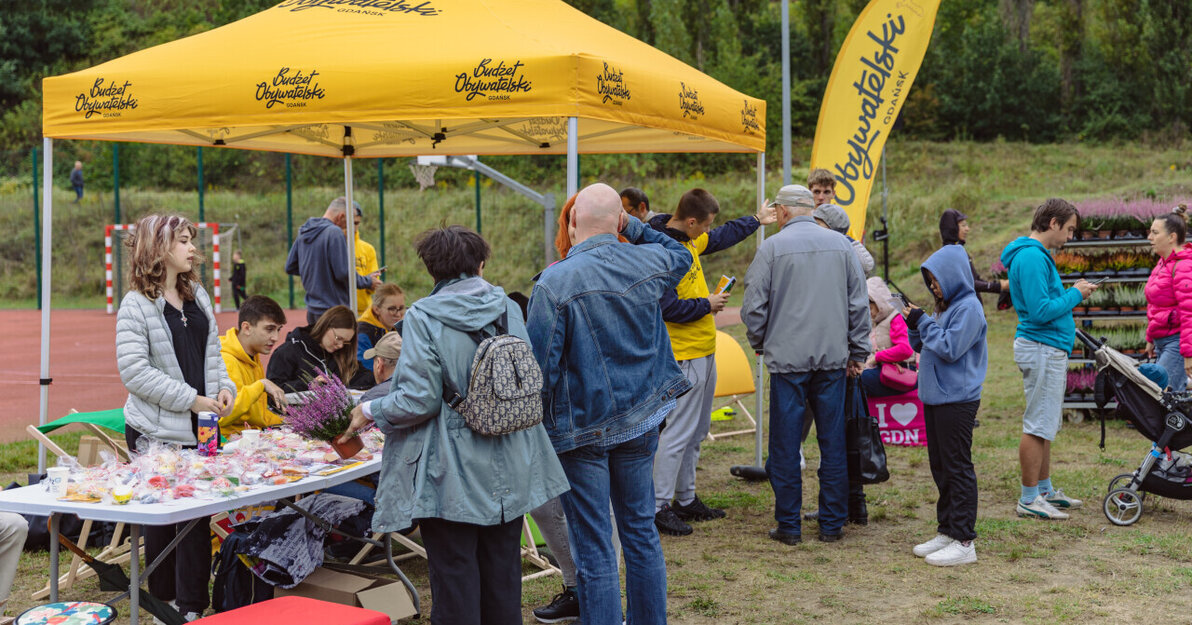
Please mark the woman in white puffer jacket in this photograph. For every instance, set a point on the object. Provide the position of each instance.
(167, 352)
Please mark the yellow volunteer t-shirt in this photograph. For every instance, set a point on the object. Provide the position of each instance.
(693, 339)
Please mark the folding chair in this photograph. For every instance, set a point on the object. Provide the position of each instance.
(118, 550)
(734, 380)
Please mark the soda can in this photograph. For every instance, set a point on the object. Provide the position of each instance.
(208, 433)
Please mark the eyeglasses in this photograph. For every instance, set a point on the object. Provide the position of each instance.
(340, 339)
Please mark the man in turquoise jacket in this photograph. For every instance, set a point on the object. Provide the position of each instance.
(1046, 332)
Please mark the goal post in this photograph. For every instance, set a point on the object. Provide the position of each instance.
(112, 230)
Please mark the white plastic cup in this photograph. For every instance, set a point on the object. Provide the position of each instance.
(57, 478)
(249, 438)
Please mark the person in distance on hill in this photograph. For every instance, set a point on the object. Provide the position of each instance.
(954, 229)
(1044, 338)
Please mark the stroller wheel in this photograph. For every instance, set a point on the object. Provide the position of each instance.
(1123, 506)
(1121, 481)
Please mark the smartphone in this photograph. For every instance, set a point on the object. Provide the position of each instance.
(1099, 280)
(381, 270)
(898, 301)
(725, 284)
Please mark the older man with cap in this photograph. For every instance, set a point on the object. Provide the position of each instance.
(806, 309)
(384, 356)
(319, 257)
(833, 217)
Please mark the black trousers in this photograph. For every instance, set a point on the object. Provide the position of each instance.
(475, 572)
(949, 450)
(184, 575)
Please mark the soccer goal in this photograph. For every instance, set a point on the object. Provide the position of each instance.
(114, 270)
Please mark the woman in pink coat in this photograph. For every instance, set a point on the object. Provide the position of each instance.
(1169, 298)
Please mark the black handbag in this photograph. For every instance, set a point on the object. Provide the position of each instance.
(866, 453)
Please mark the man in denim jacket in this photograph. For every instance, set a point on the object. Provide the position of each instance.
(609, 379)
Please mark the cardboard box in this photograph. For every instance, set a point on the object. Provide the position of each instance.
(89, 448)
(374, 593)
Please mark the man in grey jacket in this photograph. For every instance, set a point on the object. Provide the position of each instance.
(806, 309)
(320, 257)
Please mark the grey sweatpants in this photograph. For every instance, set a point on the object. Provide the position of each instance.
(552, 524)
(13, 530)
(686, 427)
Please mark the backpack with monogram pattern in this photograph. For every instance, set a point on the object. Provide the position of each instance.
(505, 386)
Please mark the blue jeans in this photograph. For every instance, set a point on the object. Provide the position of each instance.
(624, 474)
(1167, 349)
(823, 393)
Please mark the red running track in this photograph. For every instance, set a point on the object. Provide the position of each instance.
(83, 362)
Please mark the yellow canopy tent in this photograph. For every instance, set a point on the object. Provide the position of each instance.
(384, 78)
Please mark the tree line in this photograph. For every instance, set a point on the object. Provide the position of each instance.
(1015, 70)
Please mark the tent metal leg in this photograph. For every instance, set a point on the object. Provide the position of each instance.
(46, 271)
(760, 375)
(351, 216)
(572, 156)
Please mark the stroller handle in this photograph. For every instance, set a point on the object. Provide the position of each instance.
(1088, 340)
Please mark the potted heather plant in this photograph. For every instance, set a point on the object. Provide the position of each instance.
(324, 414)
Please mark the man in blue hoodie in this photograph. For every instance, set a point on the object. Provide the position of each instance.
(320, 257)
(1046, 332)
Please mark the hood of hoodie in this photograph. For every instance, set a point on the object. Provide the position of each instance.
(314, 227)
(950, 226)
(465, 304)
(1016, 247)
(659, 221)
(229, 344)
(302, 337)
(879, 294)
(950, 266)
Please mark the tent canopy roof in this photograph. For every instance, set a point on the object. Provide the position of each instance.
(407, 77)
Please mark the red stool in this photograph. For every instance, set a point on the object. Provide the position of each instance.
(297, 611)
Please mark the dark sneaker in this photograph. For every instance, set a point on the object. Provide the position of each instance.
(697, 511)
(562, 609)
(786, 539)
(669, 523)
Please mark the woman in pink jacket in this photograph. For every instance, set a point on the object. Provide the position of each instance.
(1169, 298)
(889, 338)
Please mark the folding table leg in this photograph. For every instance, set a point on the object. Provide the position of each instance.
(134, 586)
(54, 518)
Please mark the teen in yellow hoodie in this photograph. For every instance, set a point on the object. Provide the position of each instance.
(260, 322)
(689, 315)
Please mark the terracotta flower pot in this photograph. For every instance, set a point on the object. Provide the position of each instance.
(349, 449)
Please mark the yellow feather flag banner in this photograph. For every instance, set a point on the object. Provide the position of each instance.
(872, 75)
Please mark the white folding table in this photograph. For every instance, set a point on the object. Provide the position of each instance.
(37, 500)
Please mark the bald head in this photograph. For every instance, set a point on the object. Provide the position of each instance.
(597, 210)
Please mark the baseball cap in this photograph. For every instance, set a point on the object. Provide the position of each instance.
(795, 196)
(388, 347)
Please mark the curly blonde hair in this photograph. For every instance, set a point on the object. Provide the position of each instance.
(148, 246)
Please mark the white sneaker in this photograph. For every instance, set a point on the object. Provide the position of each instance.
(802, 461)
(935, 544)
(1040, 509)
(1058, 499)
(954, 554)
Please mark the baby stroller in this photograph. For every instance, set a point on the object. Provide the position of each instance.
(1160, 416)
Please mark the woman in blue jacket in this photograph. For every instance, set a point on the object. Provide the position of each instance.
(951, 372)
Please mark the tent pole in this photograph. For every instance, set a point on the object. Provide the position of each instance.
(381, 205)
(548, 235)
(351, 222)
(786, 92)
(572, 156)
(290, 218)
(759, 382)
(47, 220)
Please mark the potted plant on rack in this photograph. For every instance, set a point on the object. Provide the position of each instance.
(1096, 301)
(324, 414)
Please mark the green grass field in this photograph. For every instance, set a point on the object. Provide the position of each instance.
(1081, 571)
